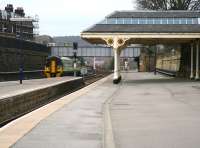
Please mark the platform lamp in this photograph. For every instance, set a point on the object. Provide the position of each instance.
(75, 47)
(19, 36)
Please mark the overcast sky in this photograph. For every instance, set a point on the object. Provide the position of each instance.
(68, 17)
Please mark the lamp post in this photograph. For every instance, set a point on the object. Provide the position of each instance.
(75, 47)
(19, 36)
(75, 65)
(155, 60)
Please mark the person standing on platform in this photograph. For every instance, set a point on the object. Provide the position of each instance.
(126, 65)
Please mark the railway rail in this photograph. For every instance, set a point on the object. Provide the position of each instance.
(93, 78)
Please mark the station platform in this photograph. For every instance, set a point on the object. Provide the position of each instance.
(144, 110)
(13, 88)
(18, 99)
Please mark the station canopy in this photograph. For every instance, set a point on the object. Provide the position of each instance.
(146, 27)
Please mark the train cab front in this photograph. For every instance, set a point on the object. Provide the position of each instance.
(53, 67)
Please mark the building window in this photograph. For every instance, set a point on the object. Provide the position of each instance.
(135, 21)
(142, 21)
(170, 21)
(195, 21)
(176, 21)
(127, 21)
(120, 21)
(183, 21)
(189, 21)
(157, 21)
(164, 21)
(111, 21)
(150, 21)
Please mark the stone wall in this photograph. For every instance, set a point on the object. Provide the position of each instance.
(169, 61)
(10, 59)
(14, 52)
(15, 106)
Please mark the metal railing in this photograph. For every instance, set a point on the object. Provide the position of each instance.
(169, 66)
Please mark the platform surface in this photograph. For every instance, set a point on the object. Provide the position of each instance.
(12, 88)
(146, 111)
(151, 112)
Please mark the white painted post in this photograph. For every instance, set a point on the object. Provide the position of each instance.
(12, 29)
(94, 63)
(197, 61)
(118, 57)
(117, 44)
(3, 29)
(116, 64)
(192, 63)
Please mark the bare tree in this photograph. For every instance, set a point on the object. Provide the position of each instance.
(168, 4)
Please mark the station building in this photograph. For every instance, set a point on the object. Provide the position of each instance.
(124, 28)
(15, 23)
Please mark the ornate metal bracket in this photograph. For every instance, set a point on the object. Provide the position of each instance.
(116, 42)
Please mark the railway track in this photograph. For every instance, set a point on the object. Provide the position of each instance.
(93, 78)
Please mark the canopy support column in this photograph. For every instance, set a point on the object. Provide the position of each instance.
(192, 61)
(117, 75)
(118, 44)
(197, 60)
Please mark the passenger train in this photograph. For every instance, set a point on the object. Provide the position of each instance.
(60, 66)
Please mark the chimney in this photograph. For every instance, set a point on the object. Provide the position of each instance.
(9, 8)
(20, 11)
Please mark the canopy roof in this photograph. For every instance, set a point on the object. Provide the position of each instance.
(141, 28)
(158, 14)
(146, 33)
